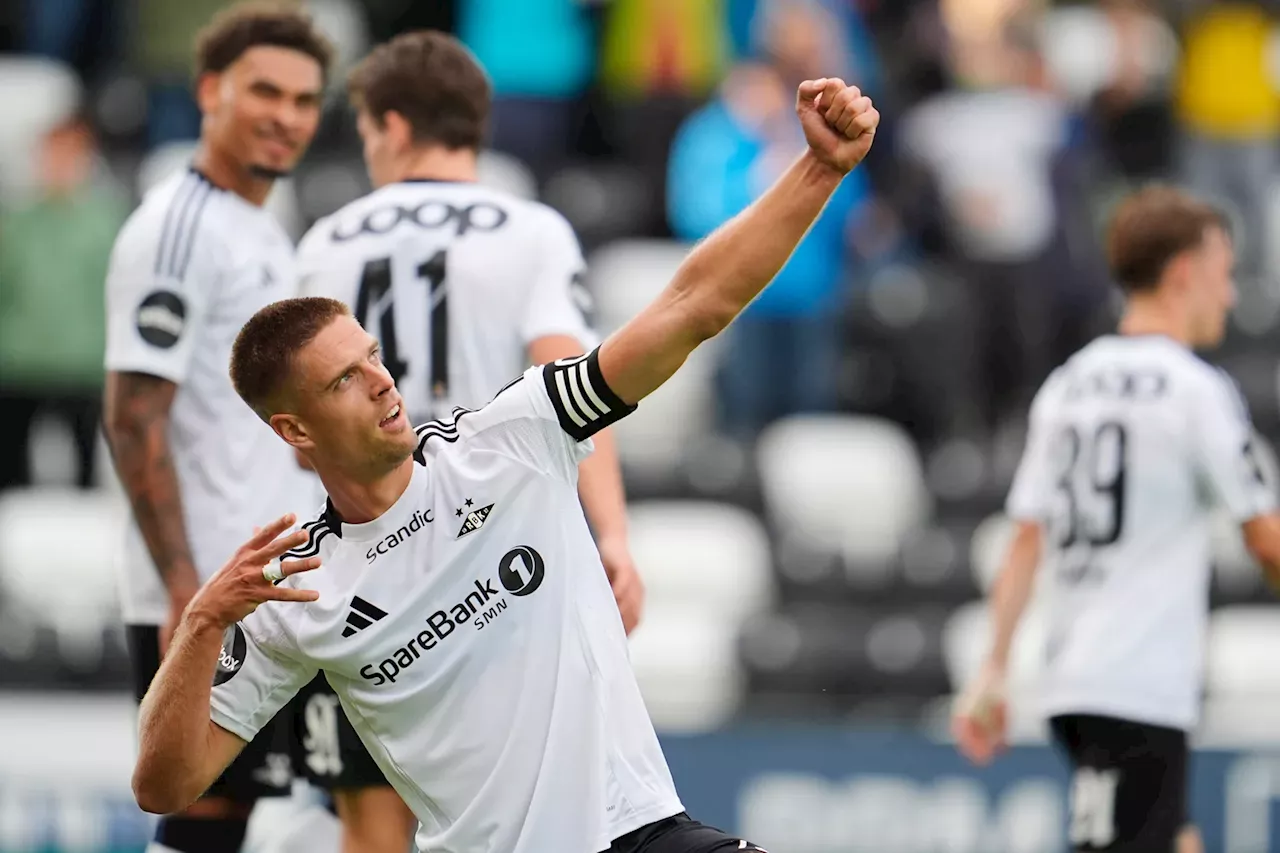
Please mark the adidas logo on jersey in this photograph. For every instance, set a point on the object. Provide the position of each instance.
(362, 615)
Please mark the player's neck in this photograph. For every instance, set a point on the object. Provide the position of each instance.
(360, 502)
(1150, 316)
(437, 163)
(227, 175)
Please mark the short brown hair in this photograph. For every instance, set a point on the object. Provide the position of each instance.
(262, 356)
(1151, 228)
(235, 30)
(432, 80)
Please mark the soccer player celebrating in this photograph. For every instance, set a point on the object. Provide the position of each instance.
(462, 616)
(464, 287)
(197, 259)
(1131, 444)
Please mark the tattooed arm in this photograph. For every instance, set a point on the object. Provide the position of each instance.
(136, 422)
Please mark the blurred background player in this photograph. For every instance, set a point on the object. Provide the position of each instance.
(196, 260)
(1132, 444)
(464, 286)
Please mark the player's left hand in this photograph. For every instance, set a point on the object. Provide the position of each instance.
(839, 122)
(628, 588)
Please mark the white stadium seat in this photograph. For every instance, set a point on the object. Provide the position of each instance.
(500, 171)
(687, 667)
(1242, 677)
(706, 555)
(625, 277)
(57, 555)
(345, 25)
(849, 483)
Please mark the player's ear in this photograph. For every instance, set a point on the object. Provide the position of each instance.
(292, 430)
(208, 92)
(398, 130)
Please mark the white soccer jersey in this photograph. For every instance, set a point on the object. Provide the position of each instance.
(189, 268)
(472, 637)
(1132, 443)
(455, 280)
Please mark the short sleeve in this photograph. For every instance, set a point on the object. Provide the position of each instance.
(1031, 494)
(558, 300)
(545, 418)
(256, 674)
(159, 284)
(1223, 448)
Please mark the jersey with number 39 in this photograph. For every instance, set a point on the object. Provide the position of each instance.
(455, 280)
(1133, 443)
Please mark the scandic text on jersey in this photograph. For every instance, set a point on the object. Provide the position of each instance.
(520, 572)
(397, 537)
(431, 215)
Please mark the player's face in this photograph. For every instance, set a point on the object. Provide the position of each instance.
(264, 109)
(349, 414)
(1214, 290)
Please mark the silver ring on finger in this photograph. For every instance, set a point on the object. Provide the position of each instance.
(273, 572)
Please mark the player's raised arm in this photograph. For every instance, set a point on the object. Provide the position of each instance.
(181, 751)
(727, 270)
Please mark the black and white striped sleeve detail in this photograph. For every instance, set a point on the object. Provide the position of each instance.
(181, 226)
(583, 402)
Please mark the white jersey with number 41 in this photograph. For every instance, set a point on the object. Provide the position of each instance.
(455, 280)
(1133, 442)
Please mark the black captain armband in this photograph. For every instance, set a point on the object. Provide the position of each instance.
(584, 404)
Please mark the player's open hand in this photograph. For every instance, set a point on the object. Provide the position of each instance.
(839, 122)
(979, 722)
(242, 584)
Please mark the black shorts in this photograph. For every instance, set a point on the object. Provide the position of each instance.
(260, 770)
(679, 834)
(325, 749)
(1129, 784)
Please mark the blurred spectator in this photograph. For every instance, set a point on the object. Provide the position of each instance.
(782, 355)
(1229, 107)
(540, 57)
(53, 259)
(1118, 59)
(660, 59)
(990, 148)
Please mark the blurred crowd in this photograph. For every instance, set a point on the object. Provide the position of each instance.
(938, 289)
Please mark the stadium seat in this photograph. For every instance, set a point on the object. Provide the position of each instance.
(57, 550)
(500, 171)
(601, 202)
(704, 555)
(345, 25)
(171, 157)
(991, 539)
(624, 278)
(842, 482)
(1242, 676)
(37, 94)
(687, 668)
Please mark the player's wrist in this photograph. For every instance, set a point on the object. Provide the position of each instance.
(820, 170)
